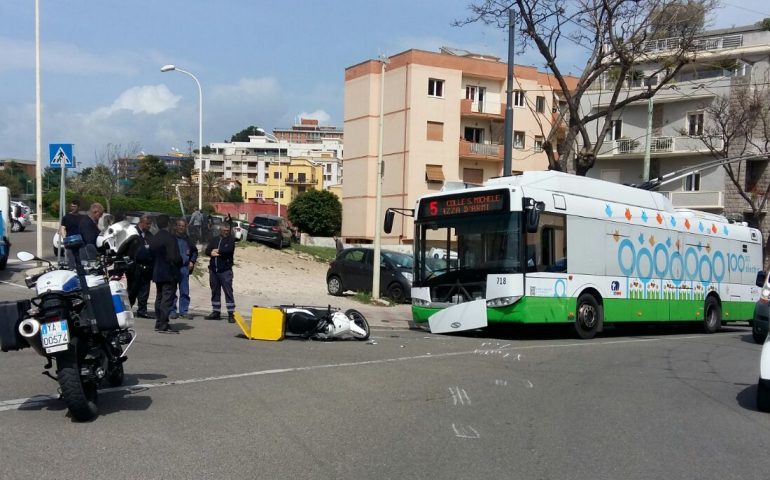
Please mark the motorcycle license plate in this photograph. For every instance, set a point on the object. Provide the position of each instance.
(55, 336)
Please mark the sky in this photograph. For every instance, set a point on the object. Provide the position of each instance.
(260, 62)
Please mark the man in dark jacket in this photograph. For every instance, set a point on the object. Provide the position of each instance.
(89, 224)
(165, 273)
(189, 253)
(138, 278)
(221, 250)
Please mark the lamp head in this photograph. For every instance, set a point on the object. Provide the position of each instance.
(167, 68)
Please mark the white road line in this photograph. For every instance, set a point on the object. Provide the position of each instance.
(18, 403)
(13, 284)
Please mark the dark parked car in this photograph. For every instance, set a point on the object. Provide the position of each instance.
(270, 229)
(352, 270)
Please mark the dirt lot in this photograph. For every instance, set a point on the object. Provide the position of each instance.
(267, 277)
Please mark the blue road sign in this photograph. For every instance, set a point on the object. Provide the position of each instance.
(60, 154)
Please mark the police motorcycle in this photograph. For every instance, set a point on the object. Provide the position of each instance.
(325, 323)
(79, 318)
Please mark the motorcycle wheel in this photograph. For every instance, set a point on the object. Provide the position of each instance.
(360, 321)
(80, 398)
(115, 378)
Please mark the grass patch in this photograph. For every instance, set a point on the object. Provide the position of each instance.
(321, 254)
(366, 298)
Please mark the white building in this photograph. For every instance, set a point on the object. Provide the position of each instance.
(248, 162)
(726, 60)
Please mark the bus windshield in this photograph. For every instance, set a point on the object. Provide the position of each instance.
(475, 244)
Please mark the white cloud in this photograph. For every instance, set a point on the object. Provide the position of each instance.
(151, 99)
(320, 115)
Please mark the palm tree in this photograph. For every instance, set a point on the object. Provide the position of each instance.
(214, 189)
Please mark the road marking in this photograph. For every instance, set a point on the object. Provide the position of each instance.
(459, 395)
(19, 403)
(465, 432)
(13, 284)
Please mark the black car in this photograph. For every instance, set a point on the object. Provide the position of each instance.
(270, 229)
(352, 270)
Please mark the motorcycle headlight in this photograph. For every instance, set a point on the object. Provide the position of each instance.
(765, 296)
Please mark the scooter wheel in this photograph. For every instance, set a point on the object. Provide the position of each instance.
(358, 318)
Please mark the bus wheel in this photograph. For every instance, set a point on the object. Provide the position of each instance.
(589, 316)
(712, 318)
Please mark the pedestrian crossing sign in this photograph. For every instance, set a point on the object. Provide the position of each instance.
(60, 154)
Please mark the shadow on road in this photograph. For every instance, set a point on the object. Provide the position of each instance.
(747, 398)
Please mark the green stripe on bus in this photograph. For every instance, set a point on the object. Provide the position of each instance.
(562, 310)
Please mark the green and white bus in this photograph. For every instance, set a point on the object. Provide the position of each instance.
(549, 247)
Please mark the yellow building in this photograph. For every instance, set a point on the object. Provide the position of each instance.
(285, 180)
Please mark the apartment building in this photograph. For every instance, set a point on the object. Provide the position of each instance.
(308, 130)
(277, 170)
(726, 60)
(444, 116)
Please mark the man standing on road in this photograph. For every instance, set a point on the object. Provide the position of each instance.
(221, 251)
(70, 222)
(196, 221)
(89, 224)
(165, 273)
(138, 278)
(189, 253)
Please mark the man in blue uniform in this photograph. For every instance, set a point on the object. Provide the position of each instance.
(221, 250)
(189, 253)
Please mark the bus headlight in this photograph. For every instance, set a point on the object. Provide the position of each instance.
(420, 302)
(501, 301)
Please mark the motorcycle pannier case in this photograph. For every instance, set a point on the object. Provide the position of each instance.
(104, 310)
(11, 314)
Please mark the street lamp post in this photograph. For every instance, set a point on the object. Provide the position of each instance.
(378, 192)
(273, 138)
(171, 68)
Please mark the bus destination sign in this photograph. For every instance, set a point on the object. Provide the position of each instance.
(464, 204)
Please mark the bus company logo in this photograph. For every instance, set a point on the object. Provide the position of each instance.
(455, 325)
(615, 287)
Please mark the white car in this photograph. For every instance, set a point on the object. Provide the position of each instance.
(239, 227)
(763, 386)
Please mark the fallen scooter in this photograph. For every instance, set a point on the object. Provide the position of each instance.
(317, 323)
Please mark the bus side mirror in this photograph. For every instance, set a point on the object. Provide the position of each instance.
(388, 226)
(761, 279)
(531, 210)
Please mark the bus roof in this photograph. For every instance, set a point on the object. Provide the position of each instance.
(587, 187)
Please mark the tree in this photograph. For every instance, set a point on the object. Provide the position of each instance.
(616, 34)
(243, 135)
(150, 180)
(7, 179)
(213, 187)
(115, 157)
(102, 181)
(235, 195)
(317, 212)
(738, 126)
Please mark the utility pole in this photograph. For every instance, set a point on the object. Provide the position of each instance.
(507, 146)
(647, 141)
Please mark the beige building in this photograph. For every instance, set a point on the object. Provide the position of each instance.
(444, 119)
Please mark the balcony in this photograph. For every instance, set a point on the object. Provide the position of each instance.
(472, 109)
(485, 152)
(698, 200)
(630, 148)
(699, 44)
(301, 180)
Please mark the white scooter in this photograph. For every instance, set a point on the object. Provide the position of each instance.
(325, 323)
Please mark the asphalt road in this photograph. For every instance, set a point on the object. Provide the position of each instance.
(12, 278)
(526, 403)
